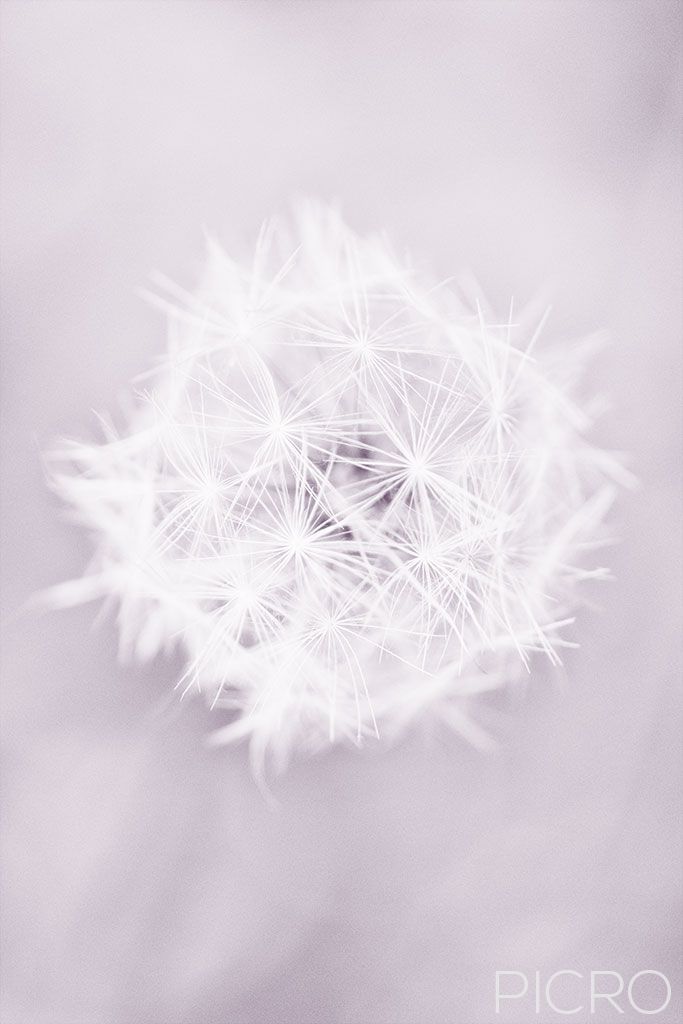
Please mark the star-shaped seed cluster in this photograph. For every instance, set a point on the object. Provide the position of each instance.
(347, 494)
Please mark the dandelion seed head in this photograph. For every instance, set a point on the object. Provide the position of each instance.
(351, 498)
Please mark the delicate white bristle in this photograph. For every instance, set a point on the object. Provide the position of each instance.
(349, 497)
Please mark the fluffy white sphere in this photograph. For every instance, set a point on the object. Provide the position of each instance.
(351, 496)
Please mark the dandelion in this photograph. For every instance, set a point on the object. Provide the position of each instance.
(349, 497)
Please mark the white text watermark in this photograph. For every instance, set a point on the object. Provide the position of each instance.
(569, 992)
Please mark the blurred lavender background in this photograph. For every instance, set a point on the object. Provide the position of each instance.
(146, 879)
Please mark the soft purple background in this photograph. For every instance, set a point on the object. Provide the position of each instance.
(146, 879)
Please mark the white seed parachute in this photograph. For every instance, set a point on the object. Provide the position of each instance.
(347, 494)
